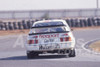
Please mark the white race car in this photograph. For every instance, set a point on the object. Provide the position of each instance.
(50, 36)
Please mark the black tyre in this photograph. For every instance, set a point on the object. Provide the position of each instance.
(31, 55)
(72, 53)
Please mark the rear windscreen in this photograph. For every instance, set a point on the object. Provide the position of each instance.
(48, 24)
(48, 30)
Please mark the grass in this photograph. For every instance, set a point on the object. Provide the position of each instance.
(95, 46)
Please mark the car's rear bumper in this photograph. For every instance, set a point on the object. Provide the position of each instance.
(59, 51)
(61, 46)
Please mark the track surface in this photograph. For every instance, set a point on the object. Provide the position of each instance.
(11, 56)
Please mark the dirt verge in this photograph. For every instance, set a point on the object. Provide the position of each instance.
(95, 46)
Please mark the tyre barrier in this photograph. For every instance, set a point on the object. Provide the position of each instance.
(5, 26)
(86, 22)
(29, 24)
(1, 26)
(19, 25)
(24, 25)
(98, 21)
(15, 25)
(10, 27)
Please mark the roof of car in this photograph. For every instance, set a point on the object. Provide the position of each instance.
(50, 21)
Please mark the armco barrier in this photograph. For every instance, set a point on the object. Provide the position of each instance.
(86, 22)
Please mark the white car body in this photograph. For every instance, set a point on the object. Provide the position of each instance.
(50, 41)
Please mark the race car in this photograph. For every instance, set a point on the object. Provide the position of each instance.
(50, 36)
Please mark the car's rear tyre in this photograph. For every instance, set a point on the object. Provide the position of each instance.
(31, 55)
(72, 53)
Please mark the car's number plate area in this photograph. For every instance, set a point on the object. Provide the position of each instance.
(49, 46)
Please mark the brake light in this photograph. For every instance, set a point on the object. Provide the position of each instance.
(32, 41)
(61, 39)
(65, 39)
(36, 41)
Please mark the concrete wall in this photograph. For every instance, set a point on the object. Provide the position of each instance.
(38, 14)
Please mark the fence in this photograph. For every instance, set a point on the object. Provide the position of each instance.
(88, 22)
(38, 14)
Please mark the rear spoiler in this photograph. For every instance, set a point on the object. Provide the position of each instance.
(49, 26)
(48, 33)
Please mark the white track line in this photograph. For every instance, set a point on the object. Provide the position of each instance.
(88, 50)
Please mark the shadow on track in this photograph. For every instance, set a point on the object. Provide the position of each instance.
(36, 58)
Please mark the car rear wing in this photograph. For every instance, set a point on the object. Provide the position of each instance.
(47, 33)
(48, 26)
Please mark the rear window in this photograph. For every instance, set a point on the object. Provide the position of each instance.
(48, 30)
(48, 24)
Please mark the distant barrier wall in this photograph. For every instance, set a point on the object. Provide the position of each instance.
(38, 14)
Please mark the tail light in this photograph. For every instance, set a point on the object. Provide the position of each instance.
(65, 39)
(32, 41)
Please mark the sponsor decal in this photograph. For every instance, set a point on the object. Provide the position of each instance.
(41, 47)
(35, 36)
(49, 36)
(64, 34)
(48, 40)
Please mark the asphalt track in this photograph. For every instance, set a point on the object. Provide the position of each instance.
(15, 56)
